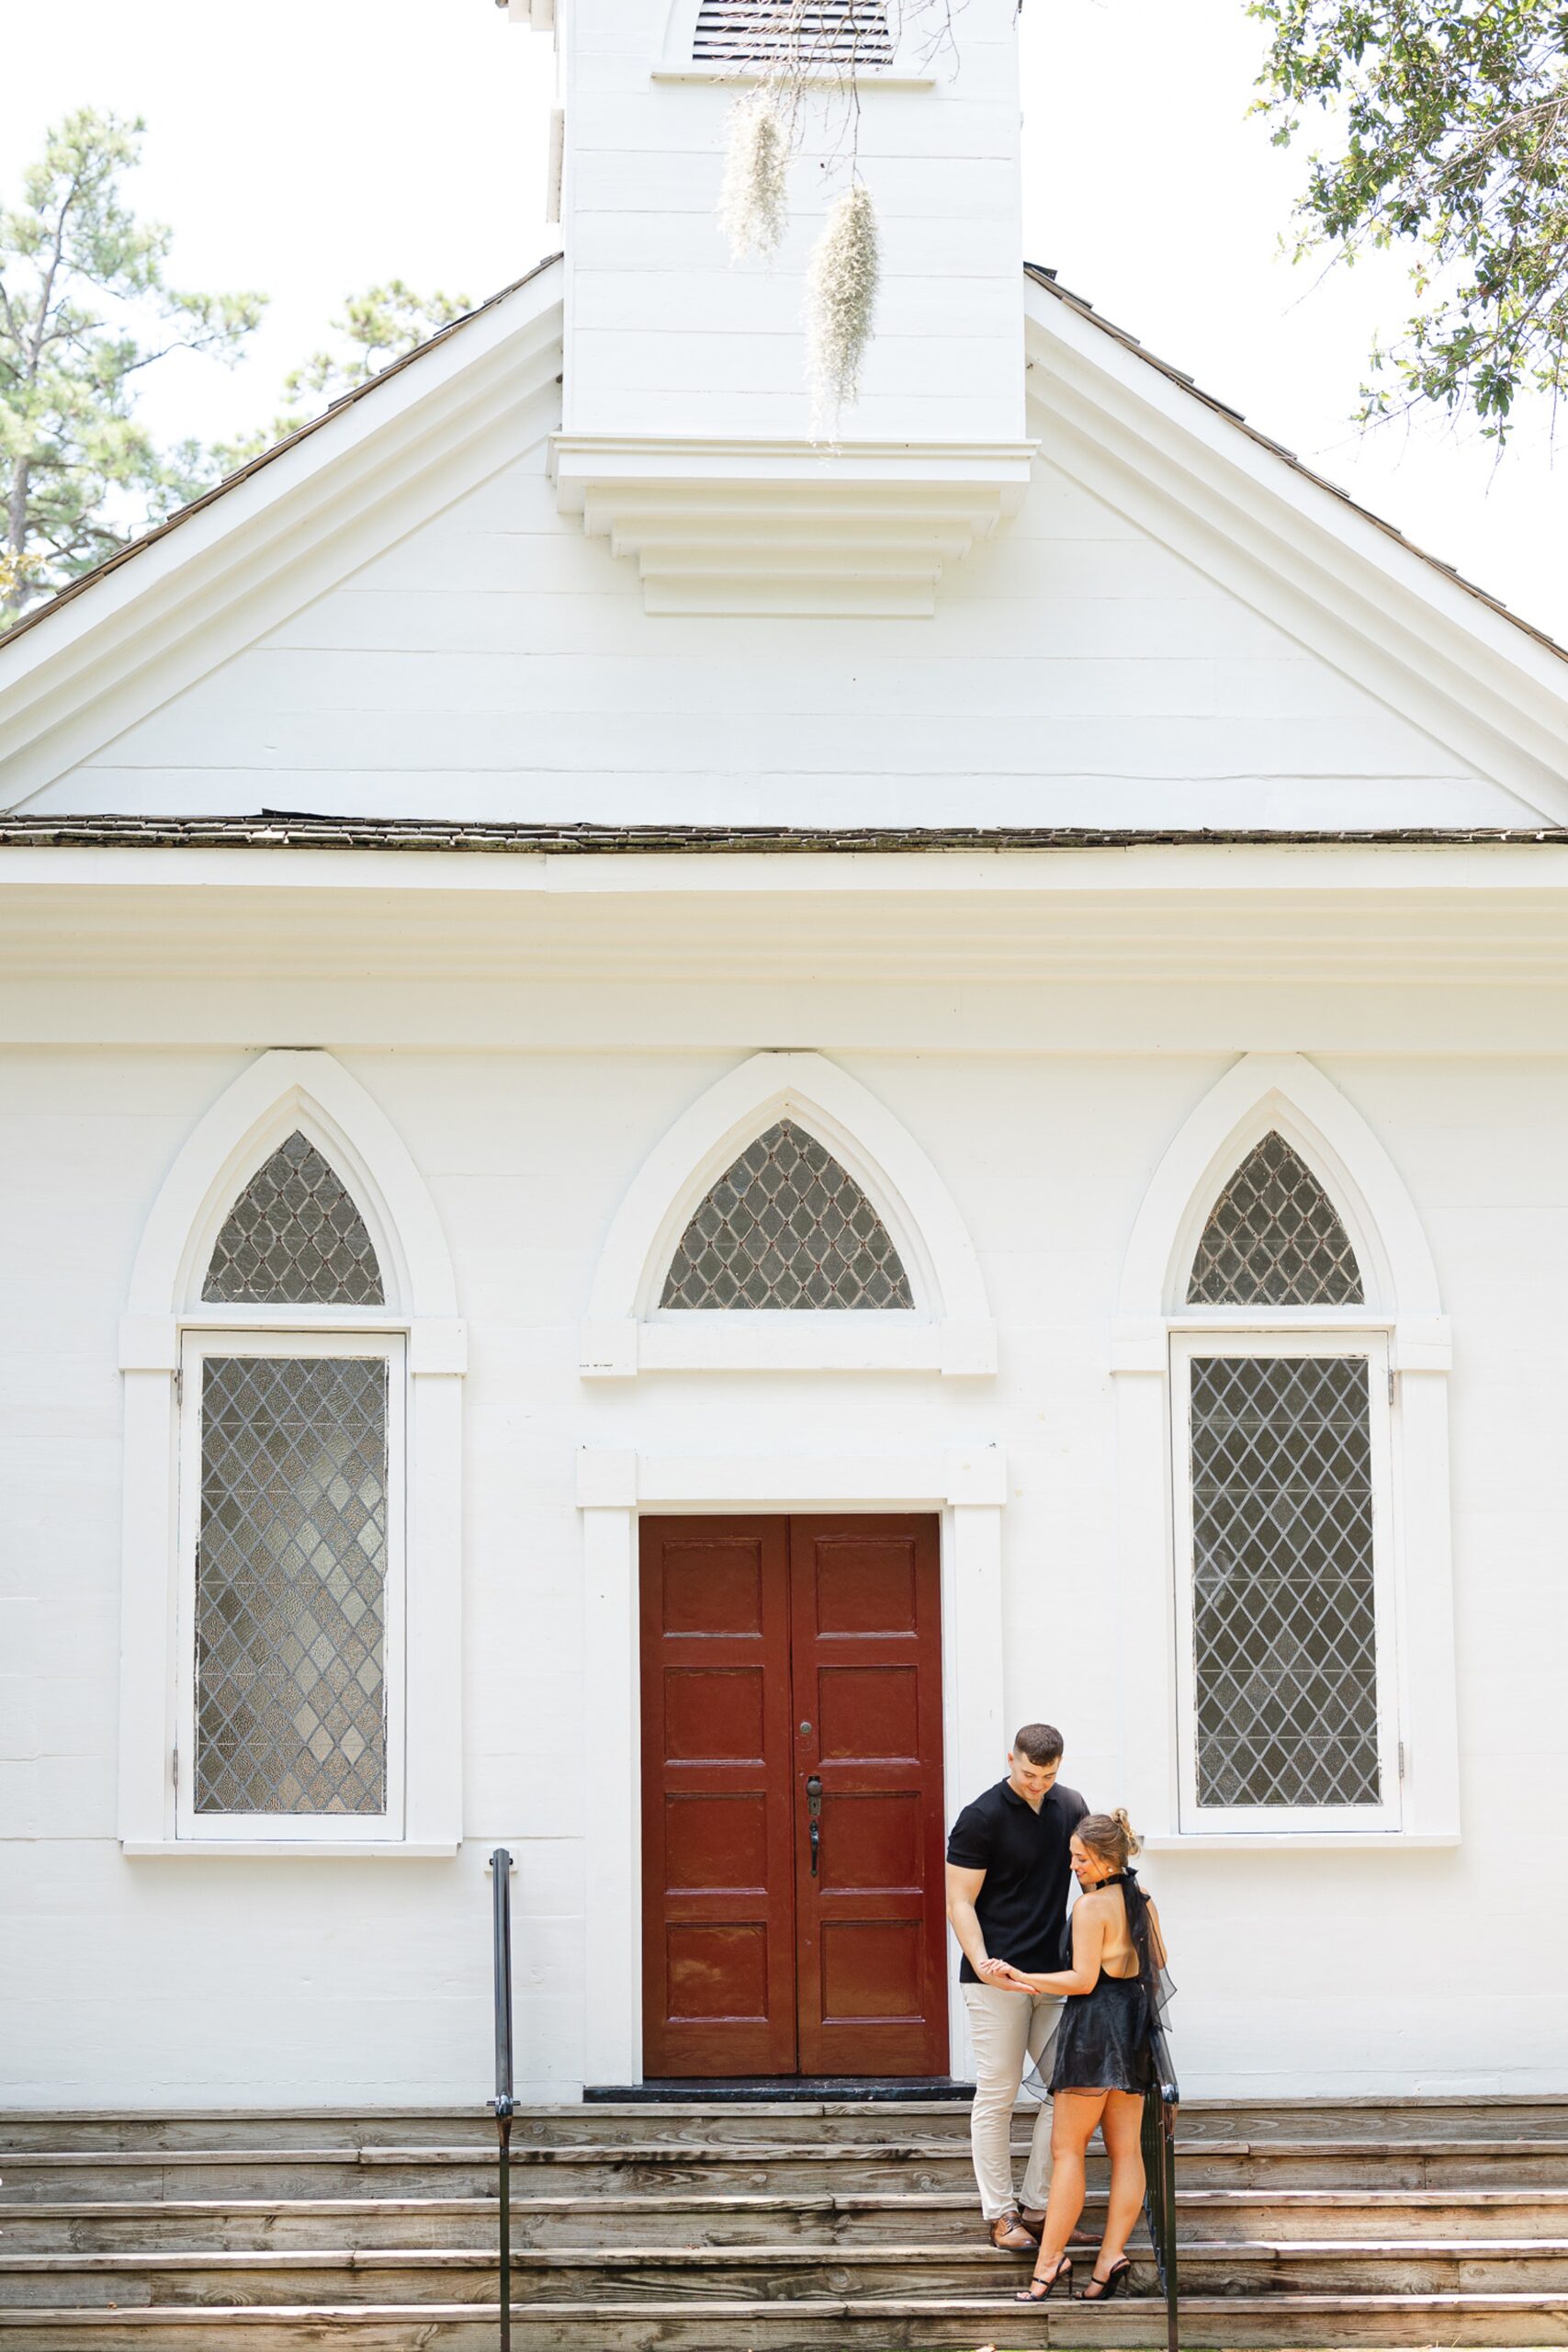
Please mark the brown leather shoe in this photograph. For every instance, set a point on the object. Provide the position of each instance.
(1036, 2222)
(1009, 2235)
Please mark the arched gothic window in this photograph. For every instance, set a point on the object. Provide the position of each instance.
(1274, 1238)
(1284, 1433)
(786, 1226)
(295, 1235)
(293, 1596)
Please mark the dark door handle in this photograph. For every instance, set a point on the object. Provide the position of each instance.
(814, 1817)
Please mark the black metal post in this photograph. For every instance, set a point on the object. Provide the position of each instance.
(501, 1869)
(1168, 2137)
(1161, 2103)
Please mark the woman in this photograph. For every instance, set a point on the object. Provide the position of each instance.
(1104, 2051)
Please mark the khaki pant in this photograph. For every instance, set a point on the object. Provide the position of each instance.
(1009, 2030)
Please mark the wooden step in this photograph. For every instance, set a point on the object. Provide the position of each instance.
(839, 2324)
(945, 2217)
(1500, 2118)
(759, 2273)
(711, 2227)
(757, 2168)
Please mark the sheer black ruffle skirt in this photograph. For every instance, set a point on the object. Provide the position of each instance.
(1103, 2042)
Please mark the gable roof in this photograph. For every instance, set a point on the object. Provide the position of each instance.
(1136, 431)
(253, 466)
(1047, 279)
(1039, 273)
(1188, 468)
(180, 600)
(272, 829)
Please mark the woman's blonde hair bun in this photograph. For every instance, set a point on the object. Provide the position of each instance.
(1111, 1836)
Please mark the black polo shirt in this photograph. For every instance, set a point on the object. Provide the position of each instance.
(1022, 1906)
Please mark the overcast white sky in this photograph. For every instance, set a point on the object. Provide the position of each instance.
(306, 147)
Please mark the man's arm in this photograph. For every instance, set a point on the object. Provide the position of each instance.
(962, 1887)
(1089, 1941)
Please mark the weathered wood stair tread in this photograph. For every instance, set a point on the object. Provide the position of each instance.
(713, 2229)
(760, 2253)
(695, 2201)
(773, 2276)
(834, 2306)
(822, 2223)
(738, 2151)
(785, 2255)
(822, 2326)
(1496, 2110)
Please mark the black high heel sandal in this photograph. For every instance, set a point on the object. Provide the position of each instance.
(1106, 2287)
(1039, 2290)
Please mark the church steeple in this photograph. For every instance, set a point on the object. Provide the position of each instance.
(670, 350)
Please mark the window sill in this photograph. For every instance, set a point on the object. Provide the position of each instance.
(288, 1849)
(782, 1342)
(1284, 1841)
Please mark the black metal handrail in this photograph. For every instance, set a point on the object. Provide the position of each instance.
(501, 1913)
(1161, 2103)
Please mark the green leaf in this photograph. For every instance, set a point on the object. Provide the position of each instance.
(1449, 120)
(85, 307)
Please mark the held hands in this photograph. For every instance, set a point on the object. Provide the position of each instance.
(1002, 1972)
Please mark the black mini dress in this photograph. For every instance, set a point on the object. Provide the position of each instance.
(1103, 2040)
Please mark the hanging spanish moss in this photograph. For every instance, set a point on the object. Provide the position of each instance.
(805, 56)
(753, 207)
(840, 306)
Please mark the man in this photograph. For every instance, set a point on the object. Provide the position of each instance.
(1007, 1878)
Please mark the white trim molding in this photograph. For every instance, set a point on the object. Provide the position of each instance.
(789, 526)
(967, 1487)
(281, 1091)
(1402, 1315)
(1220, 495)
(950, 1329)
(1288, 1094)
(278, 1092)
(279, 533)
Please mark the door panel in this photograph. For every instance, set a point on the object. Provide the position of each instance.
(869, 1713)
(715, 1844)
(871, 1928)
(718, 1932)
(871, 1971)
(774, 1651)
(875, 1839)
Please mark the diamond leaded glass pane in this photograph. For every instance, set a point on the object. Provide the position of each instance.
(290, 1587)
(295, 1237)
(1284, 1626)
(1274, 1238)
(786, 1227)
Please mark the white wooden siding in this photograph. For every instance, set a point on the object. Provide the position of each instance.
(369, 1980)
(496, 663)
(726, 354)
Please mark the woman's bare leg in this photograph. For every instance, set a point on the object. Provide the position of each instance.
(1122, 2126)
(1075, 2115)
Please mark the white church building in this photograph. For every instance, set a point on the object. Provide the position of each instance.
(694, 1116)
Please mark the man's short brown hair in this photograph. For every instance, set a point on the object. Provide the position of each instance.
(1042, 1742)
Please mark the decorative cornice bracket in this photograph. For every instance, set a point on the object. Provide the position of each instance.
(789, 526)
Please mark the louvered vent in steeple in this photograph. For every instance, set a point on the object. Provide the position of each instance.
(810, 33)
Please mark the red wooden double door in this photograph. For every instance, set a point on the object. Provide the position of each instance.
(793, 1885)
